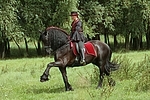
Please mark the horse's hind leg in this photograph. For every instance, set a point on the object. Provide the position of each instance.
(104, 71)
(111, 81)
(101, 65)
(101, 77)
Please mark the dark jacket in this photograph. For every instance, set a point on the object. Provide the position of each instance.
(77, 31)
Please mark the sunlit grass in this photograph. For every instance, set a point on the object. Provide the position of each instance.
(19, 80)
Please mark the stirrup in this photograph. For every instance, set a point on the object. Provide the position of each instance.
(83, 62)
(76, 59)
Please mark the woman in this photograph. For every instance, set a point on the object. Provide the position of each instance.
(77, 35)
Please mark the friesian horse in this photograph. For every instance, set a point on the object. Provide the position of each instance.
(56, 39)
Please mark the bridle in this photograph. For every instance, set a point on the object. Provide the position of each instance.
(48, 47)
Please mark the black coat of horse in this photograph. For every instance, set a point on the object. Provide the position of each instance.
(55, 38)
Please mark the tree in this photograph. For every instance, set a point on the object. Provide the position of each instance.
(146, 21)
(9, 27)
(38, 15)
(100, 16)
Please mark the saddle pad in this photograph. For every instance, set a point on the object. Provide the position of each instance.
(89, 48)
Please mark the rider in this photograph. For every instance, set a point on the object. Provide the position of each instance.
(77, 35)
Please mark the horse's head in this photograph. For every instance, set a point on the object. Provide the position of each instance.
(44, 37)
(53, 38)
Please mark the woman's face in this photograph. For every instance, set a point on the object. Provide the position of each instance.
(74, 17)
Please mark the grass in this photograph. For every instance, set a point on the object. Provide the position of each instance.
(19, 80)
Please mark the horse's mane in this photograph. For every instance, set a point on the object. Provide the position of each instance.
(52, 27)
(57, 37)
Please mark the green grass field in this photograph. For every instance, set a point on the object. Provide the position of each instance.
(19, 80)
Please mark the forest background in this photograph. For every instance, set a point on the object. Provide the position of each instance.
(127, 22)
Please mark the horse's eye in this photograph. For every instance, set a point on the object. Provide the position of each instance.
(45, 33)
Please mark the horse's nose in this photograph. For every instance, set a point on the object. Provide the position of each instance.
(48, 50)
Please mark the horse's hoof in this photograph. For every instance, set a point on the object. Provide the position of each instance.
(43, 79)
(98, 87)
(70, 89)
(111, 82)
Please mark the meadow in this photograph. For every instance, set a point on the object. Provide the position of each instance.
(19, 80)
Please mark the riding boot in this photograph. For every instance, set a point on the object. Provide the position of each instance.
(82, 57)
(77, 56)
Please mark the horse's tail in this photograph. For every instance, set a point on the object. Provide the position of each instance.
(113, 66)
(110, 54)
(109, 65)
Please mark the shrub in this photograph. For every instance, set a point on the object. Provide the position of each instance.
(143, 75)
(126, 69)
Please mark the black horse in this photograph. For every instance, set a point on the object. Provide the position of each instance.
(55, 38)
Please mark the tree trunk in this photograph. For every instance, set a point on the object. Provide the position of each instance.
(148, 36)
(127, 45)
(2, 46)
(105, 38)
(17, 46)
(131, 42)
(140, 42)
(88, 37)
(2, 49)
(97, 36)
(115, 41)
(136, 43)
(108, 39)
(148, 40)
(7, 48)
(38, 48)
(105, 35)
(26, 44)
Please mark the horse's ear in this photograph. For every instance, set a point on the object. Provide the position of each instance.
(43, 32)
(40, 31)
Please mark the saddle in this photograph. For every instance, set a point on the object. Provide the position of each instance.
(89, 49)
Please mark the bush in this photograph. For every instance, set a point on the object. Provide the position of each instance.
(143, 75)
(138, 73)
(126, 68)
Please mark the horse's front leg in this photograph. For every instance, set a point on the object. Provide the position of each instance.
(68, 87)
(45, 74)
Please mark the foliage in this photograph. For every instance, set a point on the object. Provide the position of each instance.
(9, 24)
(143, 82)
(21, 20)
(128, 70)
(93, 15)
(38, 15)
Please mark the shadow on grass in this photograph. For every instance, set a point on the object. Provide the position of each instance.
(46, 90)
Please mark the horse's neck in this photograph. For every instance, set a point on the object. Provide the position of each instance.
(67, 45)
(58, 39)
(63, 49)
